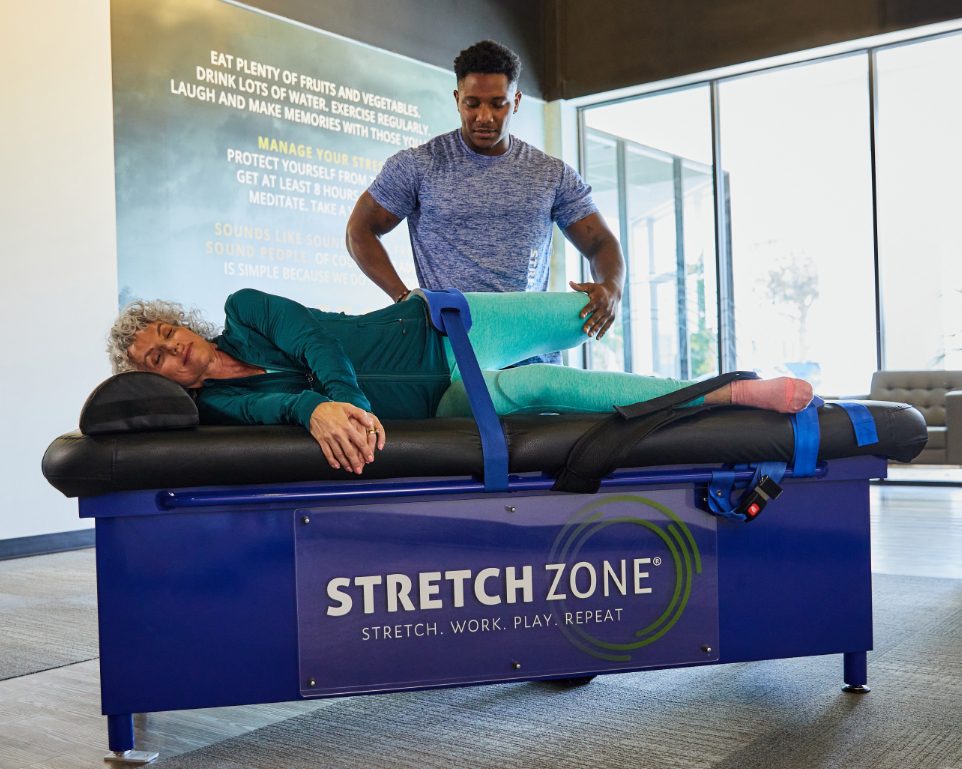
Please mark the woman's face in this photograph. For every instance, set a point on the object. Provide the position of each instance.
(174, 352)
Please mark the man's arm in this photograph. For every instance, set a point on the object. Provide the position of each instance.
(592, 238)
(369, 221)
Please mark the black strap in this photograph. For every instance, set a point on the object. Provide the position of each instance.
(604, 446)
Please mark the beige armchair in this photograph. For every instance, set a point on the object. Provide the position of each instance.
(938, 395)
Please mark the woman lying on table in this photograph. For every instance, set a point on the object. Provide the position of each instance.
(278, 362)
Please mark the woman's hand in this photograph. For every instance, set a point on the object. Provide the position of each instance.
(376, 437)
(346, 434)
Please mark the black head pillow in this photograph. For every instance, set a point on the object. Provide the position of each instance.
(137, 401)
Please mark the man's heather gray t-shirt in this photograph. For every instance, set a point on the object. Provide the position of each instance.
(481, 222)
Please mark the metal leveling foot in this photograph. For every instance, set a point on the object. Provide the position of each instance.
(130, 757)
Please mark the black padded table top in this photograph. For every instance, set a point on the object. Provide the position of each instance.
(86, 465)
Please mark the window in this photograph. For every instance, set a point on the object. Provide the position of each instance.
(653, 183)
(919, 165)
(601, 162)
(822, 276)
(795, 144)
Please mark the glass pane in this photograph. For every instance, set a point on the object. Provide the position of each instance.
(701, 289)
(652, 280)
(919, 164)
(668, 233)
(601, 172)
(795, 149)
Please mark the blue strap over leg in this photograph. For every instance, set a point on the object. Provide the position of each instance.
(449, 299)
(451, 316)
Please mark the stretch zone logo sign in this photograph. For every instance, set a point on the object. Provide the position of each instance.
(599, 516)
(637, 599)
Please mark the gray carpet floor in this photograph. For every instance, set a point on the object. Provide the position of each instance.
(48, 612)
(771, 715)
(764, 715)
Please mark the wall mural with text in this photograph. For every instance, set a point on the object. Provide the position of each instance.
(242, 142)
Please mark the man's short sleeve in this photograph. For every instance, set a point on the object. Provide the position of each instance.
(396, 186)
(572, 201)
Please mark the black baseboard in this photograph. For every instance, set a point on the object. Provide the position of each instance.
(42, 544)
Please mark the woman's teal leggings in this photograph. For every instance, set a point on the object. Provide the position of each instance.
(507, 328)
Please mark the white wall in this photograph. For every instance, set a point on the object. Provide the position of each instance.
(58, 276)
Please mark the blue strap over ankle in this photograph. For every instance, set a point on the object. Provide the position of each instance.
(764, 485)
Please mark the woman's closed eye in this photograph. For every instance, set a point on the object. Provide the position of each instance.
(156, 355)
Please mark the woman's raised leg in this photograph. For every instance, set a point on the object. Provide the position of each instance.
(507, 328)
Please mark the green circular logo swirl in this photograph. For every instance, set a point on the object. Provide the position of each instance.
(678, 540)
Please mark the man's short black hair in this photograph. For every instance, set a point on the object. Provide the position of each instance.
(488, 58)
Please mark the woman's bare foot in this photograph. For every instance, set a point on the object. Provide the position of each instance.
(783, 394)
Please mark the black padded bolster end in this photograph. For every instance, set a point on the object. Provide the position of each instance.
(137, 401)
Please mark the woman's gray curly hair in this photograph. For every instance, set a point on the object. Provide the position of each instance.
(139, 314)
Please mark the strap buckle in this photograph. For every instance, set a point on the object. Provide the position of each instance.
(752, 504)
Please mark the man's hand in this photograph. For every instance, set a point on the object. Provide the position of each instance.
(603, 301)
(346, 434)
(592, 238)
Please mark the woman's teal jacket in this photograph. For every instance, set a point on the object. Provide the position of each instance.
(390, 361)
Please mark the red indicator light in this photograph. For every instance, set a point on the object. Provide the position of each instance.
(753, 509)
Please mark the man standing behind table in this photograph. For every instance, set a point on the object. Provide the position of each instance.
(480, 203)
